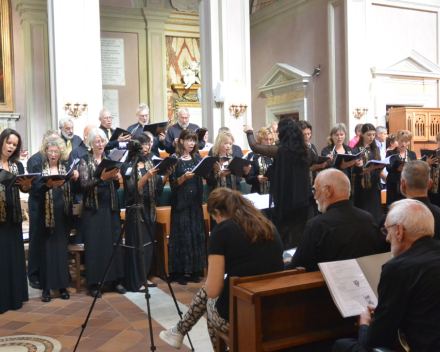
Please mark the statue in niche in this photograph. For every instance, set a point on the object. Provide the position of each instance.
(191, 74)
(191, 6)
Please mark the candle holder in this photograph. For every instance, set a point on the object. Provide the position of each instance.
(75, 110)
(360, 112)
(238, 110)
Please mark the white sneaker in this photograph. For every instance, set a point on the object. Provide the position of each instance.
(172, 338)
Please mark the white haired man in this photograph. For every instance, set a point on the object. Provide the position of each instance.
(409, 287)
(106, 120)
(175, 130)
(67, 134)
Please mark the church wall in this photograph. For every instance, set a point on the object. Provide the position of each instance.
(301, 42)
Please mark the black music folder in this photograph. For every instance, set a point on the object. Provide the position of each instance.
(428, 153)
(8, 179)
(201, 133)
(156, 128)
(269, 172)
(205, 166)
(118, 132)
(108, 165)
(236, 166)
(165, 164)
(322, 159)
(384, 162)
(348, 157)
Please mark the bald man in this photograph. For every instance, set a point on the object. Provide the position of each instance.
(79, 152)
(341, 232)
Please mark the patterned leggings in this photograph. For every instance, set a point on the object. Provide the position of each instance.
(201, 304)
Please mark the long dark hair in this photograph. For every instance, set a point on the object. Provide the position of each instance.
(4, 136)
(373, 146)
(292, 140)
(232, 205)
(187, 135)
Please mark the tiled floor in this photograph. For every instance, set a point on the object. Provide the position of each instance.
(116, 323)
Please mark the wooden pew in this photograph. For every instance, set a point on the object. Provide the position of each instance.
(283, 310)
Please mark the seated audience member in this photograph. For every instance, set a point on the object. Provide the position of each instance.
(355, 139)
(236, 150)
(409, 287)
(341, 232)
(106, 119)
(174, 131)
(67, 134)
(244, 243)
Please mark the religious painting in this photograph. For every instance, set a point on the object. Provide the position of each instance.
(180, 53)
(6, 84)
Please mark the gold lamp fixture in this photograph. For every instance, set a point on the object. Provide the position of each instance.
(238, 110)
(360, 112)
(75, 110)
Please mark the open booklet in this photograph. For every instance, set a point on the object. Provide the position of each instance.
(205, 166)
(237, 164)
(260, 201)
(165, 164)
(348, 157)
(65, 177)
(8, 179)
(384, 162)
(353, 283)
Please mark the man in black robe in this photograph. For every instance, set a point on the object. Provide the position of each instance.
(106, 119)
(341, 232)
(175, 130)
(67, 134)
(34, 249)
(409, 286)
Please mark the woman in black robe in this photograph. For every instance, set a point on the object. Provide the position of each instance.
(101, 216)
(434, 191)
(403, 155)
(367, 185)
(14, 287)
(54, 218)
(187, 253)
(306, 129)
(150, 187)
(290, 188)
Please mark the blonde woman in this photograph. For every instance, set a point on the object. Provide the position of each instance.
(403, 139)
(54, 218)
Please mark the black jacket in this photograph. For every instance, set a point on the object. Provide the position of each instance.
(409, 291)
(110, 145)
(342, 232)
(393, 174)
(173, 133)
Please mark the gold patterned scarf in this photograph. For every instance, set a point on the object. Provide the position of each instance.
(222, 181)
(92, 197)
(65, 189)
(13, 169)
(151, 186)
(435, 172)
(405, 159)
(262, 168)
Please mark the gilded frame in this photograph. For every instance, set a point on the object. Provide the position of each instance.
(6, 104)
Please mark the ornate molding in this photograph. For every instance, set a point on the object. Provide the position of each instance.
(182, 21)
(31, 9)
(285, 98)
(190, 6)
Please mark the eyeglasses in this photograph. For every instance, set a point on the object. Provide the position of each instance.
(68, 129)
(314, 190)
(52, 152)
(107, 118)
(144, 116)
(384, 230)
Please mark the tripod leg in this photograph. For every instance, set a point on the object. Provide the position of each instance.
(162, 268)
(115, 248)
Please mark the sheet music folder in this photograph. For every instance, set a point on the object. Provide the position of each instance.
(353, 283)
(205, 166)
(118, 131)
(8, 179)
(108, 165)
(155, 128)
(348, 157)
(165, 164)
(237, 164)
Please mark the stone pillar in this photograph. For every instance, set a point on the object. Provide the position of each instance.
(33, 14)
(156, 16)
(75, 59)
(225, 56)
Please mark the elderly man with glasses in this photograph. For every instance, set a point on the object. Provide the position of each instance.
(67, 134)
(106, 119)
(409, 289)
(341, 232)
(174, 131)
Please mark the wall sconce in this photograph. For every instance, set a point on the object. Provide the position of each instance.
(75, 110)
(237, 110)
(359, 113)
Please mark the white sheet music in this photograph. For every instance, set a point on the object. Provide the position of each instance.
(349, 288)
(260, 201)
(116, 154)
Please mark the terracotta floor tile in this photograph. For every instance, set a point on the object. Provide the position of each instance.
(30, 317)
(72, 321)
(14, 325)
(135, 317)
(46, 310)
(5, 333)
(98, 323)
(84, 312)
(59, 330)
(104, 334)
(129, 336)
(51, 319)
(35, 328)
(67, 312)
(79, 305)
(11, 315)
(108, 315)
(117, 324)
(116, 346)
(91, 343)
(3, 321)
(67, 341)
(87, 332)
(139, 347)
(28, 307)
(130, 311)
(124, 305)
(144, 324)
(59, 303)
(116, 299)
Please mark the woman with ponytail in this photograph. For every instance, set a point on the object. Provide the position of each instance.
(244, 243)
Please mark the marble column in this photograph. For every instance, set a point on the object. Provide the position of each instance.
(75, 59)
(33, 15)
(156, 16)
(225, 56)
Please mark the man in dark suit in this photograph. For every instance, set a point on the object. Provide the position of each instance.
(174, 131)
(34, 249)
(143, 115)
(236, 150)
(409, 287)
(341, 232)
(67, 134)
(106, 119)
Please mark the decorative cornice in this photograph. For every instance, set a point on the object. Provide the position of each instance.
(183, 21)
(31, 9)
(190, 6)
(156, 15)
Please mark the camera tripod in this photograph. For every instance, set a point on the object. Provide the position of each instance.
(137, 210)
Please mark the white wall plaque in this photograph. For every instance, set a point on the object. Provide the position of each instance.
(195, 116)
(112, 62)
(110, 100)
